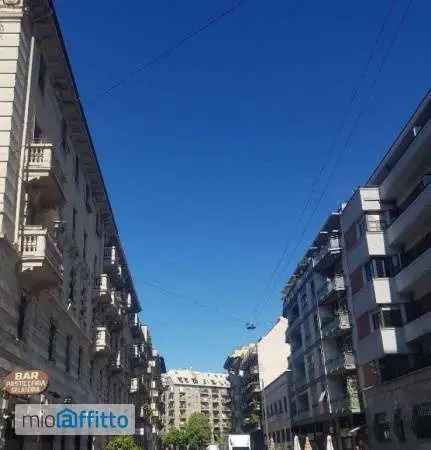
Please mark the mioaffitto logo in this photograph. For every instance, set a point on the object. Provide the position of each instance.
(86, 419)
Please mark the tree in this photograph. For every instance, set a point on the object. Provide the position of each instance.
(121, 443)
(175, 437)
(198, 431)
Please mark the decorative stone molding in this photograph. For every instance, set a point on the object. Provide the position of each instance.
(11, 3)
(10, 8)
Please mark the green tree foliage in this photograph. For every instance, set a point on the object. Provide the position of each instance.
(122, 443)
(175, 438)
(195, 435)
(198, 431)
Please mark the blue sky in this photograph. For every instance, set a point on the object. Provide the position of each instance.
(210, 155)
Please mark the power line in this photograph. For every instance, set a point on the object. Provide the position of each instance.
(340, 129)
(172, 293)
(332, 146)
(170, 50)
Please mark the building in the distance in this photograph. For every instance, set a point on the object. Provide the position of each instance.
(146, 387)
(233, 367)
(187, 392)
(273, 353)
(387, 248)
(246, 393)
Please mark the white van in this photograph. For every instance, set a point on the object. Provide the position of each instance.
(239, 442)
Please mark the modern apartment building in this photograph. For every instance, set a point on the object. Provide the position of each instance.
(188, 392)
(324, 395)
(387, 240)
(273, 353)
(246, 393)
(67, 301)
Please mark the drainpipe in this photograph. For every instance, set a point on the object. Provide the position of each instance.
(24, 142)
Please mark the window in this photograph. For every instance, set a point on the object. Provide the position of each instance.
(387, 317)
(399, 425)
(76, 176)
(88, 198)
(421, 420)
(381, 271)
(369, 270)
(64, 135)
(68, 348)
(363, 325)
(74, 214)
(383, 267)
(95, 264)
(71, 299)
(350, 238)
(285, 404)
(91, 372)
(22, 308)
(51, 340)
(78, 370)
(84, 246)
(356, 280)
(37, 132)
(382, 429)
(42, 74)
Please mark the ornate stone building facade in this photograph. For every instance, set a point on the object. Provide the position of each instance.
(67, 301)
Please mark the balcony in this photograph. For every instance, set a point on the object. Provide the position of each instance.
(346, 405)
(336, 327)
(134, 385)
(341, 364)
(332, 289)
(111, 310)
(102, 288)
(112, 264)
(413, 213)
(136, 328)
(328, 254)
(118, 363)
(44, 174)
(302, 415)
(300, 380)
(418, 328)
(42, 259)
(139, 360)
(102, 342)
(416, 264)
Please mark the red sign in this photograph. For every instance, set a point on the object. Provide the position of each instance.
(25, 382)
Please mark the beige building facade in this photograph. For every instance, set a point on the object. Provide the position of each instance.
(273, 352)
(67, 300)
(277, 422)
(188, 392)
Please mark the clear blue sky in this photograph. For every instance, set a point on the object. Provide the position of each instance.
(209, 156)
